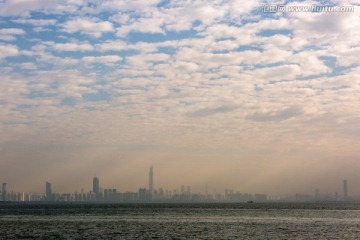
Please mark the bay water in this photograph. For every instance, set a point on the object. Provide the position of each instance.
(181, 221)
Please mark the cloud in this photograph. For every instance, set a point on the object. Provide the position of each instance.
(201, 75)
(145, 25)
(73, 47)
(277, 115)
(177, 16)
(112, 45)
(36, 22)
(326, 28)
(241, 9)
(128, 5)
(9, 34)
(310, 64)
(23, 7)
(107, 60)
(28, 65)
(91, 27)
(205, 112)
(278, 73)
(11, 91)
(146, 60)
(346, 56)
(7, 50)
(321, 22)
(59, 84)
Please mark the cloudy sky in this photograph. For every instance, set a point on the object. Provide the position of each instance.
(208, 92)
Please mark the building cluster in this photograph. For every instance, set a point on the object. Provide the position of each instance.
(323, 197)
(150, 194)
(19, 196)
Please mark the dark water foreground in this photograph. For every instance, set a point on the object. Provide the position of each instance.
(181, 221)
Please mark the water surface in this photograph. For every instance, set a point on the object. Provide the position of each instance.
(181, 221)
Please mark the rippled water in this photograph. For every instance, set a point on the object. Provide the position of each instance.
(181, 221)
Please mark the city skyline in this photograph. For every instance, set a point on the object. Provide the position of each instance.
(183, 193)
(248, 95)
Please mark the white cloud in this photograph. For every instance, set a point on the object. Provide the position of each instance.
(146, 60)
(111, 45)
(241, 83)
(107, 60)
(9, 34)
(346, 55)
(28, 65)
(179, 16)
(12, 90)
(73, 47)
(221, 31)
(91, 27)
(23, 7)
(36, 22)
(126, 5)
(239, 9)
(310, 63)
(121, 18)
(283, 72)
(146, 25)
(268, 24)
(7, 50)
(203, 12)
(325, 28)
(11, 31)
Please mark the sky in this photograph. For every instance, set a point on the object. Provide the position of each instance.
(215, 92)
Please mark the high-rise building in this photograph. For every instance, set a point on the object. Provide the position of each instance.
(151, 181)
(110, 194)
(96, 186)
(142, 194)
(48, 191)
(345, 188)
(3, 192)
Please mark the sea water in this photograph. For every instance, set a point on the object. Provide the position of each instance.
(181, 221)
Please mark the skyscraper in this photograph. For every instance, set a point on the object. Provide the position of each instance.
(345, 190)
(151, 181)
(96, 187)
(3, 192)
(48, 191)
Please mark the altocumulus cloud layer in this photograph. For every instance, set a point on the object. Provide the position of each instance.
(216, 90)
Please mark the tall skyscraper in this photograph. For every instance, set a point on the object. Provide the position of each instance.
(3, 192)
(96, 186)
(345, 188)
(48, 191)
(151, 181)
